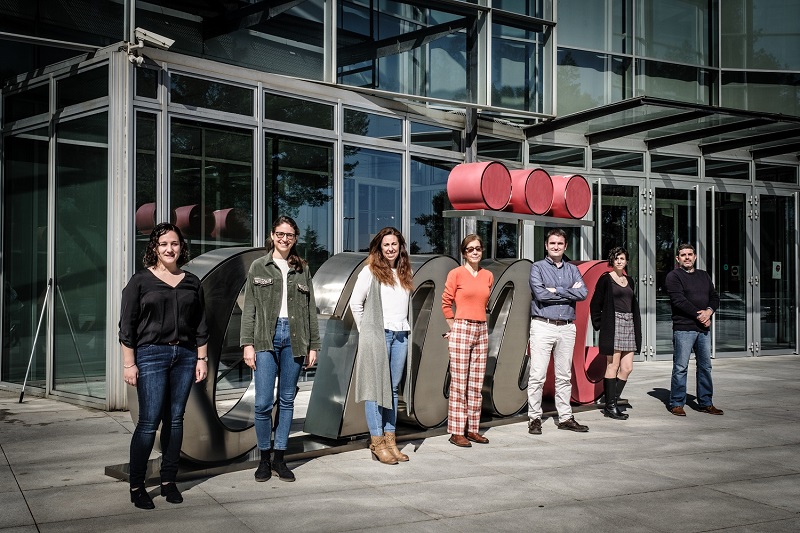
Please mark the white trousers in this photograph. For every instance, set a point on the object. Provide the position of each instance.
(546, 339)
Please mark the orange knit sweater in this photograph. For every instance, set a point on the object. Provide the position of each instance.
(470, 294)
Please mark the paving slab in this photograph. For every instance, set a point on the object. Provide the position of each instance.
(781, 491)
(14, 510)
(688, 510)
(330, 512)
(176, 519)
(458, 497)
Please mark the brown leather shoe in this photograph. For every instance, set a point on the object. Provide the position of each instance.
(572, 425)
(476, 437)
(710, 409)
(460, 441)
(678, 411)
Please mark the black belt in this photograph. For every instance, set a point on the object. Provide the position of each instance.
(552, 321)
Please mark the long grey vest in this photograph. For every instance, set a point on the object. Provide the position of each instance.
(371, 373)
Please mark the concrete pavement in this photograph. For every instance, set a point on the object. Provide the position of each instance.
(654, 472)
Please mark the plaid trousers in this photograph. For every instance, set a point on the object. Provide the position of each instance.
(469, 343)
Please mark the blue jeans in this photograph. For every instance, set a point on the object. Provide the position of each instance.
(381, 419)
(683, 343)
(166, 374)
(281, 364)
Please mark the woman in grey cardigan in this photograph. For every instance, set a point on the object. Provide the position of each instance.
(380, 309)
(279, 333)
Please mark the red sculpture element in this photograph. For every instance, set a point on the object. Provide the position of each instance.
(531, 191)
(194, 221)
(227, 224)
(571, 196)
(588, 366)
(146, 218)
(479, 186)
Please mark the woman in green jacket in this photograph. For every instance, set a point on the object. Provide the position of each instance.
(279, 334)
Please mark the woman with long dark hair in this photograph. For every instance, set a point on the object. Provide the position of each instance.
(468, 287)
(615, 313)
(163, 334)
(279, 334)
(379, 303)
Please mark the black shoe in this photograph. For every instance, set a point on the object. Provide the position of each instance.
(171, 492)
(141, 499)
(264, 470)
(280, 469)
(614, 412)
(572, 425)
(535, 426)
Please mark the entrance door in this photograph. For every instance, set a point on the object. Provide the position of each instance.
(672, 219)
(730, 212)
(774, 288)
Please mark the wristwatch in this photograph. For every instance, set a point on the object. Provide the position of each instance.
(203, 359)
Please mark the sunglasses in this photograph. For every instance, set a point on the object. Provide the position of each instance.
(471, 249)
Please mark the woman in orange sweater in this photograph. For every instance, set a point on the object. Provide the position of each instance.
(468, 286)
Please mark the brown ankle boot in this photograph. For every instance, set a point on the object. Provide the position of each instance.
(380, 452)
(391, 443)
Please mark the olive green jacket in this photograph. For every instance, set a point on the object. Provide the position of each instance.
(262, 303)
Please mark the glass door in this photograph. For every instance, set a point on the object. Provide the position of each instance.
(775, 288)
(672, 219)
(730, 212)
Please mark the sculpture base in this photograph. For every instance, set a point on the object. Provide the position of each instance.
(308, 447)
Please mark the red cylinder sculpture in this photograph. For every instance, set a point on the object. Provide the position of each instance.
(227, 224)
(146, 218)
(479, 186)
(194, 221)
(571, 196)
(531, 192)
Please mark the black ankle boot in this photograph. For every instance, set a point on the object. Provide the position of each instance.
(264, 470)
(171, 492)
(610, 410)
(620, 385)
(141, 499)
(280, 468)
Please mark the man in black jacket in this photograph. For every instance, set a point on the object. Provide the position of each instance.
(693, 300)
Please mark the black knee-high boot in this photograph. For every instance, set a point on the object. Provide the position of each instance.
(620, 385)
(610, 410)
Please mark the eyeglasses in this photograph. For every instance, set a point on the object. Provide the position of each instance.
(282, 235)
(471, 249)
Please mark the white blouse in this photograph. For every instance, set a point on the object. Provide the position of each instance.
(394, 299)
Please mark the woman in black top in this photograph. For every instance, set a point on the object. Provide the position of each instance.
(163, 333)
(615, 312)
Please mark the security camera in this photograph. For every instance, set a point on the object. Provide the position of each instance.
(153, 39)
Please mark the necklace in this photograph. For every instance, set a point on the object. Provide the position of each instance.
(619, 280)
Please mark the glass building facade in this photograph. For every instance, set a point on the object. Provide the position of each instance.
(348, 115)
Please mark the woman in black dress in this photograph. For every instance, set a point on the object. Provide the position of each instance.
(162, 329)
(615, 313)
